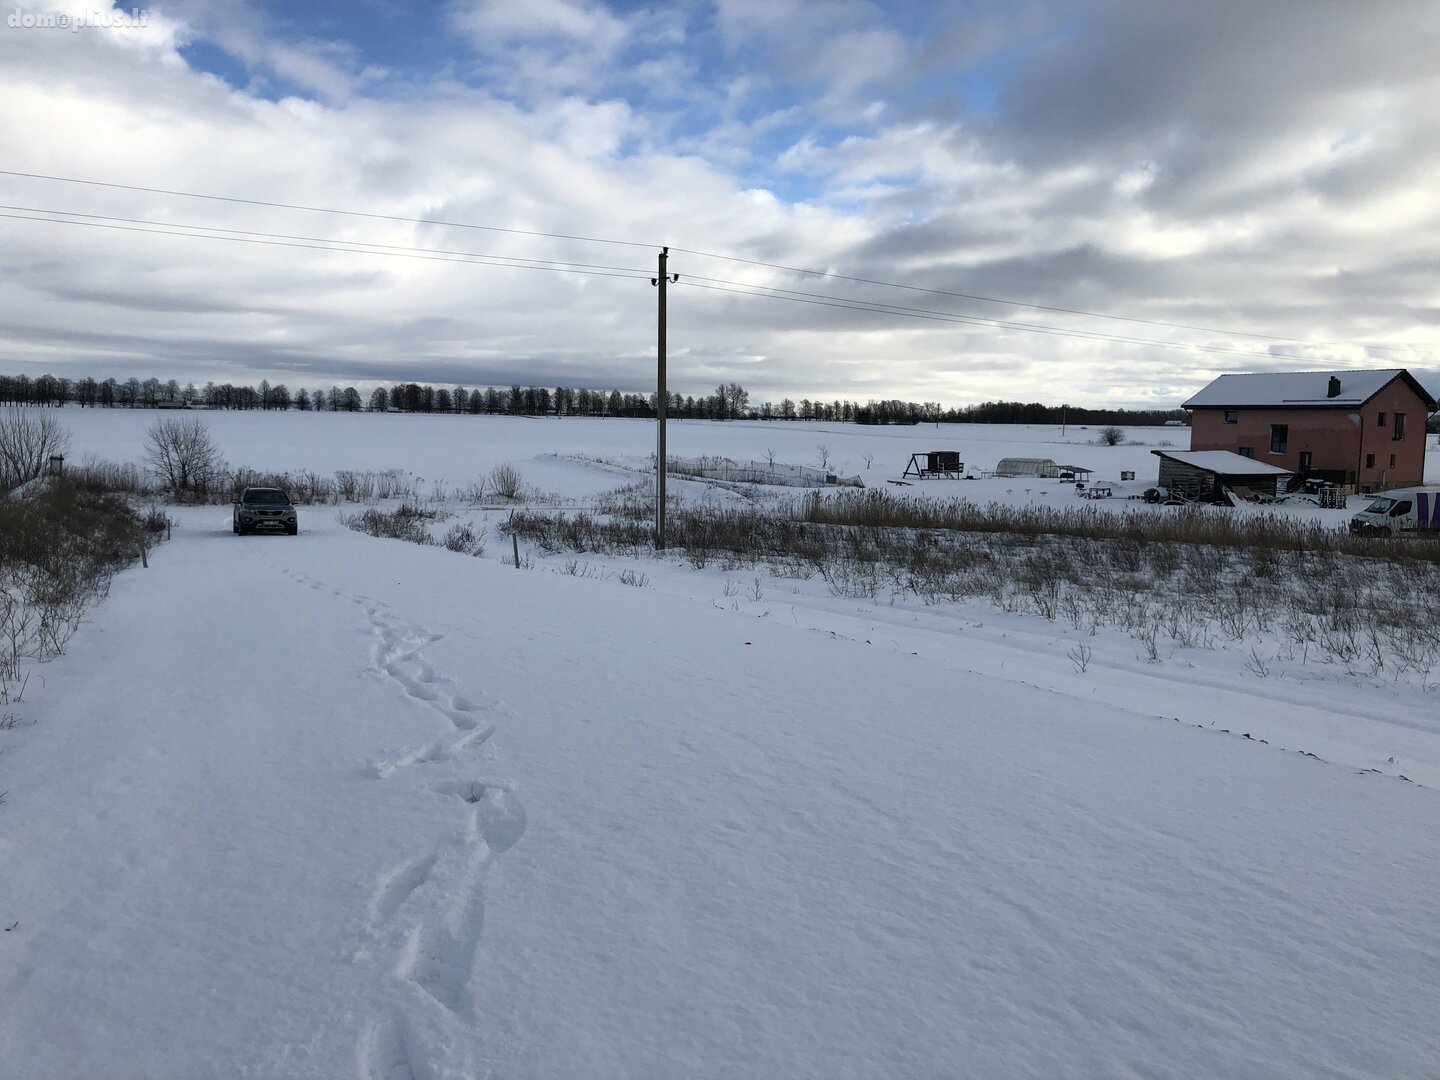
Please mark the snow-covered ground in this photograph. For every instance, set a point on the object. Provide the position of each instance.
(335, 806)
(455, 451)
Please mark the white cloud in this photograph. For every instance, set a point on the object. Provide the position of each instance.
(496, 24)
(1320, 223)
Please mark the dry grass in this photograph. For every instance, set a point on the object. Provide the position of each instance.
(1192, 579)
(60, 545)
(405, 522)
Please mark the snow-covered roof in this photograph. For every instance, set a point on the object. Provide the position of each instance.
(1297, 389)
(1222, 462)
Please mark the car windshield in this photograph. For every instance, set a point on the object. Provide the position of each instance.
(267, 498)
(1380, 506)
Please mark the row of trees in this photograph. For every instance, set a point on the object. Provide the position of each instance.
(727, 401)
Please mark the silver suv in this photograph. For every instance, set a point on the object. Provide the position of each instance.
(267, 509)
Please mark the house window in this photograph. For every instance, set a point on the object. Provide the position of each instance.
(1369, 461)
(1305, 459)
(1392, 461)
(1231, 417)
(1399, 430)
(1279, 438)
(1380, 420)
(1246, 451)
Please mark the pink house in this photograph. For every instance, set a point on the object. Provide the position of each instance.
(1364, 430)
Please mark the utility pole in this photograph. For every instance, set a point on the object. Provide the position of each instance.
(662, 399)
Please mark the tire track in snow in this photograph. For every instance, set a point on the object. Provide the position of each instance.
(426, 917)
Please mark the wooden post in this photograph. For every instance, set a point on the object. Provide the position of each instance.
(662, 398)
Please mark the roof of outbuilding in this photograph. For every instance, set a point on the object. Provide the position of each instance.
(1301, 389)
(1222, 462)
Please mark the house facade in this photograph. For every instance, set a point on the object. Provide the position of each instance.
(1364, 430)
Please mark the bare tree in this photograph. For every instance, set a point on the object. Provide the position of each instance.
(184, 455)
(1111, 436)
(822, 453)
(27, 440)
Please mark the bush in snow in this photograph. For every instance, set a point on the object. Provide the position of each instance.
(403, 523)
(28, 438)
(465, 540)
(59, 547)
(505, 481)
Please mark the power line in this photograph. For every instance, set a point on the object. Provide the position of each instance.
(980, 320)
(476, 260)
(326, 210)
(324, 240)
(206, 232)
(703, 254)
(951, 317)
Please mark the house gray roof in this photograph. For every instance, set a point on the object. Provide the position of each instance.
(1300, 389)
(1222, 462)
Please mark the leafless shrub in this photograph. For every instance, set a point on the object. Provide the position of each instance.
(105, 477)
(505, 481)
(1080, 657)
(406, 522)
(464, 539)
(393, 484)
(1110, 436)
(28, 439)
(1256, 663)
(59, 548)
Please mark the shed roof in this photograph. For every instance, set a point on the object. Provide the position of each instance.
(1222, 462)
(1301, 389)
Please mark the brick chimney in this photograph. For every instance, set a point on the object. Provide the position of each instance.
(1334, 390)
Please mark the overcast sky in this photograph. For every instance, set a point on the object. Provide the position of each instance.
(1269, 167)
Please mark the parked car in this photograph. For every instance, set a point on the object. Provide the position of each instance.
(264, 509)
(1402, 512)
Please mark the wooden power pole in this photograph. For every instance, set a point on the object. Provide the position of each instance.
(662, 399)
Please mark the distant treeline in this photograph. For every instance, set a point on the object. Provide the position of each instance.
(727, 402)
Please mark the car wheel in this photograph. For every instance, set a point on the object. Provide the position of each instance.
(293, 530)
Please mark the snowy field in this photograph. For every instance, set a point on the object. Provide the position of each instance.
(456, 450)
(333, 806)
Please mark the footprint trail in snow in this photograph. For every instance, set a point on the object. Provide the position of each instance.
(425, 918)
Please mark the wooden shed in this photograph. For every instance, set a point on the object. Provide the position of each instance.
(1204, 474)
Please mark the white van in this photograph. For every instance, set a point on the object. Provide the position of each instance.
(1405, 511)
